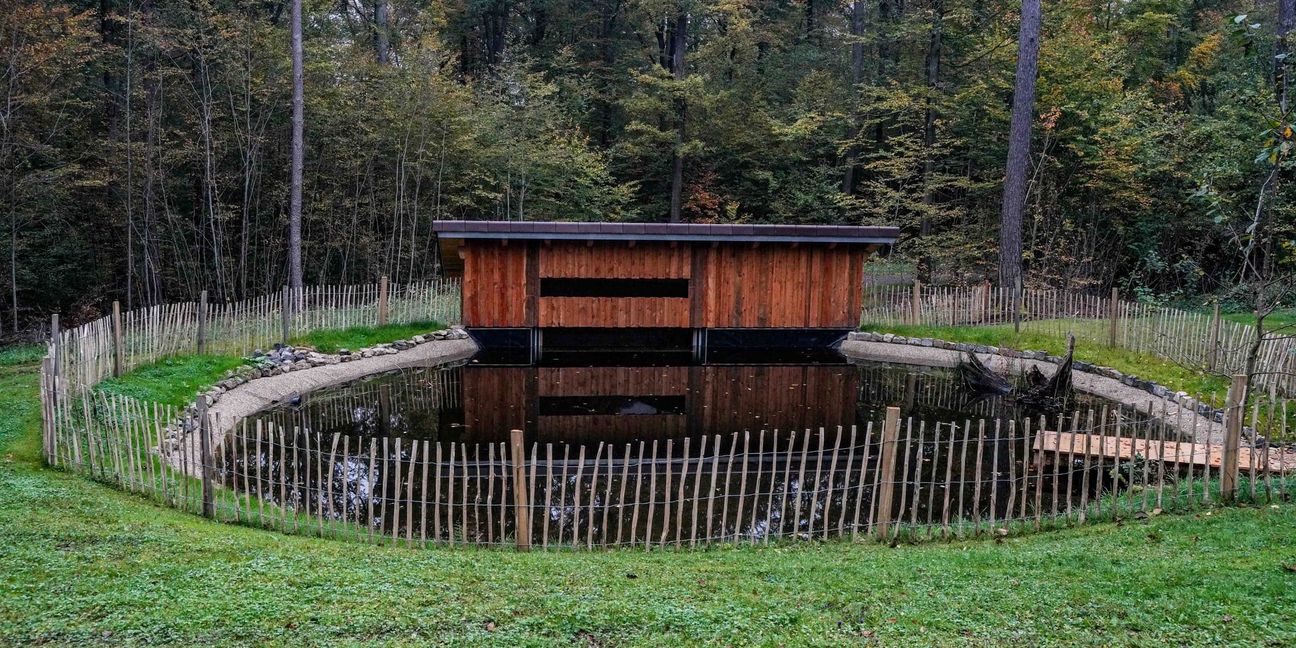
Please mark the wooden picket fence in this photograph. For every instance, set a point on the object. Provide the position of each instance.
(896, 478)
(121, 341)
(1196, 339)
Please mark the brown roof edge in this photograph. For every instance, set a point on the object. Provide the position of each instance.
(742, 232)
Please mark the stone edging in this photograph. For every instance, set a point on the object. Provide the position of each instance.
(1153, 388)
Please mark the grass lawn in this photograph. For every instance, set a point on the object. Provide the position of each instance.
(1146, 366)
(83, 563)
(362, 336)
(177, 380)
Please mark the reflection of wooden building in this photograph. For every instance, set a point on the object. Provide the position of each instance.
(620, 404)
(538, 275)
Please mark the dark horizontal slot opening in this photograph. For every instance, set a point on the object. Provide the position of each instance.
(620, 405)
(558, 287)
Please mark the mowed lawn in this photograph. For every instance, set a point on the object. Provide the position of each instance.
(81, 563)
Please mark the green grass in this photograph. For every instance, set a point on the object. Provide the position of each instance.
(82, 563)
(173, 381)
(362, 336)
(24, 354)
(1146, 366)
(1285, 318)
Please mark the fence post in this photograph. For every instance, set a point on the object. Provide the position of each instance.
(382, 301)
(915, 304)
(1214, 337)
(202, 322)
(986, 300)
(54, 341)
(1017, 303)
(1114, 315)
(204, 449)
(1233, 414)
(286, 312)
(886, 463)
(119, 345)
(521, 503)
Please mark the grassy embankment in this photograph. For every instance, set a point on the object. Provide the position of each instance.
(176, 380)
(83, 563)
(1143, 365)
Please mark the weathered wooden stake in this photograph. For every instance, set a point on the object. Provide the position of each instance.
(202, 321)
(382, 301)
(286, 314)
(119, 344)
(887, 462)
(521, 507)
(1233, 412)
(1113, 314)
(204, 449)
(1214, 337)
(915, 304)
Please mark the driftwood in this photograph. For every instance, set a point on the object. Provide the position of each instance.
(1039, 394)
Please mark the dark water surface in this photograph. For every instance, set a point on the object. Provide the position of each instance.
(625, 449)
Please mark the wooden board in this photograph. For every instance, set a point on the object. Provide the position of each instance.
(613, 381)
(1185, 453)
(616, 260)
(615, 312)
(494, 284)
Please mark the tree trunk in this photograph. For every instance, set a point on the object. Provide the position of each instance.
(381, 31)
(857, 15)
(298, 150)
(933, 78)
(1019, 138)
(679, 40)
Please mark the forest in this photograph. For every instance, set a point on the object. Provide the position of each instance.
(145, 145)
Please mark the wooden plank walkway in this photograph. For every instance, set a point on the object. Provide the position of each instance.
(1109, 447)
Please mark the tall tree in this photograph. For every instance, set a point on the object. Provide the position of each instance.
(381, 31)
(679, 42)
(1019, 145)
(858, 10)
(298, 151)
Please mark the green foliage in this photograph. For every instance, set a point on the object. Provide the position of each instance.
(356, 337)
(173, 381)
(23, 354)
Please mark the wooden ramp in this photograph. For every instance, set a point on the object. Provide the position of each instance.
(1274, 460)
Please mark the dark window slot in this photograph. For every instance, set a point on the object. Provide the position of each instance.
(620, 405)
(558, 287)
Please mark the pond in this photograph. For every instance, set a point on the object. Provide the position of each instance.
(651, 449)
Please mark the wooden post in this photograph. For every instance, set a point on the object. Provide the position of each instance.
(202, 322)
(1017, 303)
(521, 507)
(886, 463)
(1234, 410)
(204, 449)
(54, 341)
(286, 312)
(119, 344)
(915, 304)
(1113, 313)
(382, 301)
(1214, 338)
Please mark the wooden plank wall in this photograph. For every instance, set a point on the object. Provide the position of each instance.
(616, 260)
(780, 286)
(731, 285)
(494, 284)
(615, 312)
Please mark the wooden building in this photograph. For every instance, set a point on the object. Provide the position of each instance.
(543, 276)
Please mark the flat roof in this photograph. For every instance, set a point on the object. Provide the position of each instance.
(588, 231)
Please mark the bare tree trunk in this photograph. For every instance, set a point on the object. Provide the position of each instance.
(679, 41)
(929, 117)
(1019, 138)
(381, 31)
(298, 119)
(857, 14)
